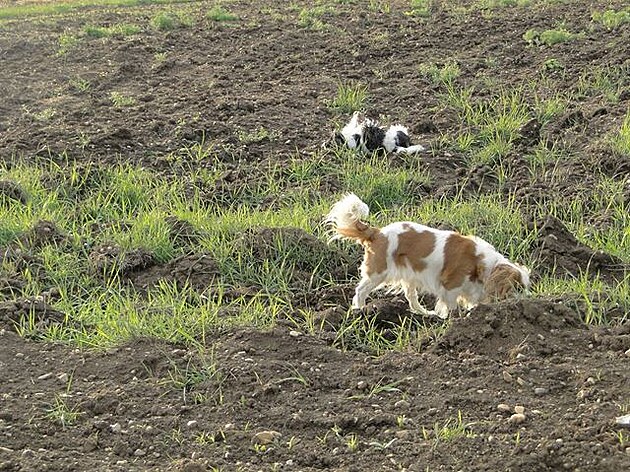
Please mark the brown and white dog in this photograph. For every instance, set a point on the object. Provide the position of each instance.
(456, 269)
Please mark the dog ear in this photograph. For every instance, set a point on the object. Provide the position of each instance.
(502, 281)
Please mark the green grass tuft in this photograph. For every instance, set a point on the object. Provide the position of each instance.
(170, 20)
(444, 75)
(120, 100)
(612, 19)
(420, 8)
(107, 31)
(551, 36)
(311, 18)
(620, 143)
(351, 97)
(218, 13)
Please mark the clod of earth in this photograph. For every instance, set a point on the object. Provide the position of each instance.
(266, 437)
(516, 418)
(44, 233)
(110, 259)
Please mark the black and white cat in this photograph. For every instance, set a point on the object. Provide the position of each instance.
(366, 135)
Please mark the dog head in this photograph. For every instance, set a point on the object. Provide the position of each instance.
(505, 279)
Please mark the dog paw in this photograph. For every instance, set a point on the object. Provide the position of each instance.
(423, 312)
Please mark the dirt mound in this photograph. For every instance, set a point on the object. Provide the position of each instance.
(109, 259)
(309, 259)
(195, 270)
(12, 191)
(558, 250)
(500, 328)
(44, 233)
(16, 261)
(36, 310)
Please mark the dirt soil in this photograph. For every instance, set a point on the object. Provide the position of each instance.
(283, 399)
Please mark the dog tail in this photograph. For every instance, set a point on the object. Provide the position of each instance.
(345, 219)
(397, 139)
(416, 148)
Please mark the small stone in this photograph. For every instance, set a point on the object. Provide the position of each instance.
(518, 409)
(191, 424)
(139, 452)
(404, 404)
(520, 381)
(628, 451)
(591, 381)
(289, 462)
(627, 353)
(402, 434)
(520, 355)
(5, 449)
(45, 376)
(507, 376)
(362, 385)
(623, 421)
(28, 453)
(266, 437)
(294, 333)
(540, 391)
(516, 418)
(503, 407)
(63, 377)
(115, 428)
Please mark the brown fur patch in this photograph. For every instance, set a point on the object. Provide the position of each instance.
(502, 281)
(413, 248)
(375, 260)
(460, 261)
